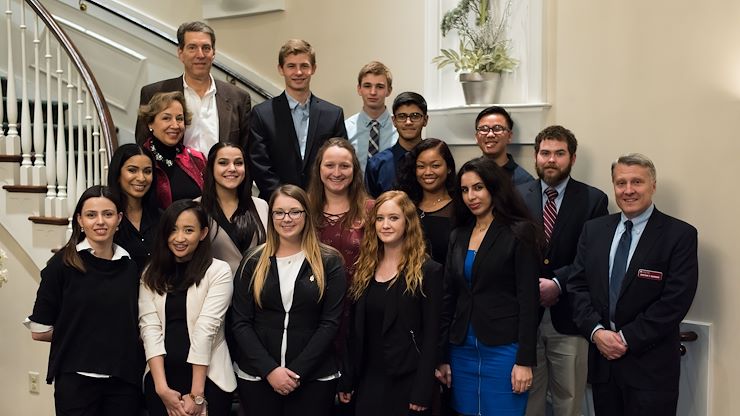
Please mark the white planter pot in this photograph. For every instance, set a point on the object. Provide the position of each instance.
(481, 87)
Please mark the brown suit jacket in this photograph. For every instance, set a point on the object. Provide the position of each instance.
(234, 106)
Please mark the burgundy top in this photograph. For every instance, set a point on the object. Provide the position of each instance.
(192, 163)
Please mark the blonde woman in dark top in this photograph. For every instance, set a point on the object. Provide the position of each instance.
(286, 309)
(397, 295)
(86, 307)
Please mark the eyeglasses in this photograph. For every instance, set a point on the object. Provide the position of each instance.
(294, 215)
(402, 117)
(496, 129)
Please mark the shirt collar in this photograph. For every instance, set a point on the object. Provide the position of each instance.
(293, 103)
(559, 187)
(383, 119)
(640, 219)
(211, 89)
(510, 164)
(118, 251)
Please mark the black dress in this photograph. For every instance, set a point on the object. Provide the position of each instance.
(437, 226)
(377, 393)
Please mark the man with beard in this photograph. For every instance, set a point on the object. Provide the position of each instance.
(563, 205)
(494, 129)
(409, 117)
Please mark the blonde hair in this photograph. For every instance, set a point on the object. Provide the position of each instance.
(310, 245)
(371, 250)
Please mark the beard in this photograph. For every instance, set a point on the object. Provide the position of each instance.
(553, 177)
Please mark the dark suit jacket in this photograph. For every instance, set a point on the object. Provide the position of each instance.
(410, 334)
(649, 310)
(502, 303)
(581, 203)
(275, 157)
(233, 105)
(312, 327)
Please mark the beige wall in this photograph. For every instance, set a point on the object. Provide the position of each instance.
(659, 77)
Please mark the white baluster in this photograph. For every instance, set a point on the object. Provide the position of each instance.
(81, 176)
(51, 157)
(103, 153)
(99, 178)
(39, 168)
(91, 174)
(60, 208)
(71, 171)
(12, 141)
(26, 139)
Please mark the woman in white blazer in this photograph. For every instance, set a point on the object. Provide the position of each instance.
(183, 299)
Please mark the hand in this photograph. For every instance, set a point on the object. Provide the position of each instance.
(417, 408)
(609, 343)
(190, 407)
(521, 378)
(444, 374)
(549, 292)
(283, 380)
(345, 397)
(172, 401)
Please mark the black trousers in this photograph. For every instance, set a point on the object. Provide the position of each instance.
(219, 401)
(77, 395)
(616, 398)
(312, 398)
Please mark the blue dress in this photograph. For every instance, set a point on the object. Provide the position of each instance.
(481, 374)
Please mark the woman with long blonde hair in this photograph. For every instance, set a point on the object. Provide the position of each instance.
(287, 304)
(397, 295)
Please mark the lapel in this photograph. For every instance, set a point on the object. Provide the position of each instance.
(572, 202)
(313, 124)
(601, 251)
(224, 110)
(650, 236)
(533, 199)
(284, 127)
(486, 246)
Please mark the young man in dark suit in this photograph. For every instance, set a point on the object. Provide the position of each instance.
(288, 130)
(220, 110)
(561, 205)
(633, 281)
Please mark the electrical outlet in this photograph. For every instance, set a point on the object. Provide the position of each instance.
(33, 382)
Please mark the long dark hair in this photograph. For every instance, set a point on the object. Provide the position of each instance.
(407, 180)
(70, 257)
(160, 272)
(117, 162)
(245, 219)
(507, 205)
(356, 192)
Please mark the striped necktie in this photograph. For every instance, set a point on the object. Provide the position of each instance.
(550, 213)
(372, 144)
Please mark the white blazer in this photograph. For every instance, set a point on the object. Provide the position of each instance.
(206, 306)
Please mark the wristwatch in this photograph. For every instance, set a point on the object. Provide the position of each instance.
(199, 400)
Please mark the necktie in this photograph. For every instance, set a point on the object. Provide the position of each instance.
(619, 267)
(549, 213)
(372, 145)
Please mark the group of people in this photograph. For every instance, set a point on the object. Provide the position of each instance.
(370, 276)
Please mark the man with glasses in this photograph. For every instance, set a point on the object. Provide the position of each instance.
(220, 110)
(493, 131)
(287, 131)
(409, 117)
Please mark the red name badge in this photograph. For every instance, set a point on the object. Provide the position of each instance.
(649, 274)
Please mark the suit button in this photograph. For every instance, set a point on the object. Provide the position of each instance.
(547, 261)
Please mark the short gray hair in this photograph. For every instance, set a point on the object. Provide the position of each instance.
(632, 159)
(194, 27)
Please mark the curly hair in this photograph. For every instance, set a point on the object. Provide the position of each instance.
(371, 250)
(407, 179)
(355, 193)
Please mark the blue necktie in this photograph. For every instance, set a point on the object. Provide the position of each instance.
(619, 267)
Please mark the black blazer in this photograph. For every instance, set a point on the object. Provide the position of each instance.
(274, 155)
(503, 302)
(311, 328)
(656, 294)
(232, 103)
(410, 334)
(581, 203)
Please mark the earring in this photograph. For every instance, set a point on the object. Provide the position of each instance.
(82, 230)
(150, 129)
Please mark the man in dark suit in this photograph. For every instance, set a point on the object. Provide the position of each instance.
(633, 281)
(562, 205)
(287, 131)
(220, 110)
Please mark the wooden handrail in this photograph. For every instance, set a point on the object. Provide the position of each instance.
(107, 128)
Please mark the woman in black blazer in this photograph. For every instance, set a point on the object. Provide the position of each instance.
(490, 306)
(395, 322)
(286, 309)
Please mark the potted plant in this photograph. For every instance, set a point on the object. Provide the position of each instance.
(483, 54)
